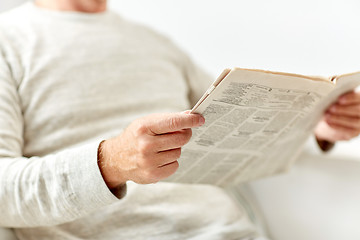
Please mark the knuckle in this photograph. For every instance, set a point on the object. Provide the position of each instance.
(194, 120)
(147, 174)
(144, 163)
(174, 123)
(144, 146)
(140, 129)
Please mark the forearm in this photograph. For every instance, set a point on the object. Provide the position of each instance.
(53, 189)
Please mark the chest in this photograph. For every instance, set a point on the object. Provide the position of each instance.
(75, 88)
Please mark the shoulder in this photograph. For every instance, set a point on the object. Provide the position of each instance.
(13, 27)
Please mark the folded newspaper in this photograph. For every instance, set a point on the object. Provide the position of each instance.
(256, 124)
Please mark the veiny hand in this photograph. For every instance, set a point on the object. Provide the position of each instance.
(341, 120)
(148, 149)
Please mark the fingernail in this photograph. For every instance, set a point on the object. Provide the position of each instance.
(332, 109)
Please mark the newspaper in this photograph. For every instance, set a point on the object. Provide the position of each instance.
(256, 124)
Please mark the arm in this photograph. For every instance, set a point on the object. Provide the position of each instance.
(48, 190)
(341, 121)
(58, 188)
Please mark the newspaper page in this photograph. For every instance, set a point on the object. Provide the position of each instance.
(256, 124)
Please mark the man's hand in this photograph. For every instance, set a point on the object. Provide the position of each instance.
(341, 120)
(148, 149)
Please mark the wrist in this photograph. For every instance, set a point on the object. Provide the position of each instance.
(107, 168)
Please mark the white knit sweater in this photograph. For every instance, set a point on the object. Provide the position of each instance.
(69, 80)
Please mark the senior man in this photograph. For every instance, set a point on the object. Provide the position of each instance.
(73, 74)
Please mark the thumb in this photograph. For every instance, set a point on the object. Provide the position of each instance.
(172, 122)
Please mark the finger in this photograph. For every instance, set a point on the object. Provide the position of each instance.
(167, 157)
(347, 122)
(167, 170)
(345, 110)
(172, 122)
(349, 98)
(343, 133)
(172, 140)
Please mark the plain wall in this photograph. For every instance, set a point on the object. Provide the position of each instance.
(319, 37)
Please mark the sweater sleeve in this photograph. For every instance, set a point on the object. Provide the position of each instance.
(49, 190)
